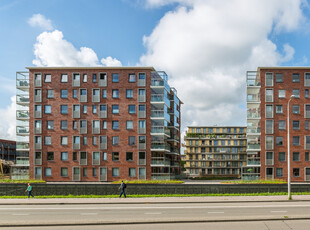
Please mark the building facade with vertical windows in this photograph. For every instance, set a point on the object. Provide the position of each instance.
(8, 150)
(98, 123)
(268, 93)
(215, 151)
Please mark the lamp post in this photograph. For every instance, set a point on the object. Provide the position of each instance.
(288, 150)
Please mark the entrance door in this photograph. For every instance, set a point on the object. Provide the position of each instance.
(76, 174)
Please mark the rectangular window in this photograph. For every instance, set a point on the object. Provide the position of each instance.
(269, 95)
(279, 172)
(296, 172)
(64, 93)
(64, 140)
(94, 109)
(64, 156)
(295, 140)
(306, 156)
(296, 125)
(296, 93)
(307, 111)
(269, 142)
(115, 124)
(269, 111)
(281, 93)
(64, 109)
(132, 172)
(281, 156)
(307, 79)
(74, 93)
(129, 93)
(115, 109)
(131, 77)
(306, 125)
(131, 109)
(296, 109)
(104, 156)
(104, 124)
(74, 125)
(115, 172)
(50, 156)
(85, 109)
(115, 140)
(47, 78)
(115, 93)
(131, 140)
(64, 78)
(74, 156)
(279, 140)
(48, 140)
(84, 172)
(269, 79)
(64, 172)
(306, 93)
(269, 127)
(129, 124)
(47, 109)
(64, 124)
(129, 156)
(94, 77)
(279, 77)
(50, 124)
(84, 78)
(94, 172)
(94, 140)
(307, 142)
(50, 93)
(84, 140)
(115, 156)
(104, 93)
(295, 77)
(115, 77)
(279, 108)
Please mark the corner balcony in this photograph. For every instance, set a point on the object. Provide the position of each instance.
(160, 147)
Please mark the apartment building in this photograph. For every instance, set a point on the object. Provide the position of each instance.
(98, 123)
(269, 96)
(7, 150)
(215, 151)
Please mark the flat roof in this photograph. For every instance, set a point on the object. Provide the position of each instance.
(90, 68)
(216, 126)
(284, 67)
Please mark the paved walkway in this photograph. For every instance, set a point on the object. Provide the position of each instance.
(209, 199)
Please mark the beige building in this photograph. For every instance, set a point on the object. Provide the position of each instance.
(214, 151)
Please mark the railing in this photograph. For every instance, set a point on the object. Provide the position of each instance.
(269, 162)
(253, 162)
(161, 130)
(141, 114)
(76, 114)
(83, 130)
(21, 145)
(22, 114)
(253, 146)
(76, 146)
(37, 114)
(83, 161)
(103, 114)
(96, 131)
(22, 99)
(141, 82)
(103, 146)
(141, 130)
(160, 162)
(157, 98)
(103, 176)
(38, 98)
(22, 130)
(22, 83)
(38, 161)
(253, 98)
(253, 114)
(157, 83)
(37, 145)
(83, 98)
(141, 98)
(142, 162)
(22, 161)
(142, 146)
(160, 146)
(96, 98)
(253, 130)
(157, 113)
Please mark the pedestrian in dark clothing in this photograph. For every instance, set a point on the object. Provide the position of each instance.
(122, 188)
(29, 190)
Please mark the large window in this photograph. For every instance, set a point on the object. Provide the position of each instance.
(296, 109)
(64, 109)
(115, 109)
(296, 125)
(279, 108)
(269, 79)
(131, 109)
(295, 77)
(307, 79)
(269, 111)
(269, 142)
(296, 93)
(296, 140)
(129, 93)
(269, 127)
(307, 111)
(115, 93)
(281, 156)
(281, 93)
(306, 93)
(115, 124)
(115, 77)
(47, 109)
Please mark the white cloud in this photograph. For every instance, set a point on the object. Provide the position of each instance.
(8, 121)
(39, 20)
(206, 47)
(109, 61)
(51, 49)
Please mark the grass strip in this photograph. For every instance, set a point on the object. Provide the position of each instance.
(149, 182)
(255, 182)
(158, 195)
(21, 181)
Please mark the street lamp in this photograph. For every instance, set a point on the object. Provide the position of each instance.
(288, 150)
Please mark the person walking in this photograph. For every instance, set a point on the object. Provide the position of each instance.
(29, 190)
(122, 188)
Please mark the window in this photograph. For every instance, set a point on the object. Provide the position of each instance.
(129, 124)
(269, 127)
(74, 125)
(269, 142)
(85, 109)
(296, 125)
(64, 93)
(279, 77)
(131, 109)
(115, 77)
(141, 76)
(269, 95)
(295, 77)
(50, 156)
(307, 79)
(84, 140)
(83, 92)
(129, 93)
(296, 109)
(104, 124)
(64, 156)
(307, 111)
(84, 172)
(64, 109)
(281, 93)
(131, 77)
(295, 172)
(115, 109)
(115, 156)
(94, 77)
(115, 93)
(115, 172)
(279, 172)
(279, 140)
(48, 140)
(296, 93)
(132, 172)
(94, 140)
(269, 79)
(129, 156)
(306, 93)
(281, 156)
(47, 109)
(269, 111)
(50, 93)
(295, 140)
(279, 108)
(306, 156)
(306, 125)
(115, 140)
(94, 109)
(84, 78)
(104, 156)
(64, 78)
(64, 172)
(104, 93)
(48, 78)
(74, 156)
(64, 140)
(74, 93)
(50, 124)
(94, 172)
(307, 142)
(115, 124)
(131, 140)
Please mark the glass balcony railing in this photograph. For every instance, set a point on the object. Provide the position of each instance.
(253, 161)
(160, 162)
(22, 145)
(22, 114)
(157, 83)
(157, 98)
(253, 98)
(253, 130)
(253, 146)
(22, 130)
(160, 146)
(157, 113)
(160, 130)
(254, 114)
(22, 98)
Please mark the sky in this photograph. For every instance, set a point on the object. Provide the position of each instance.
(205, 46)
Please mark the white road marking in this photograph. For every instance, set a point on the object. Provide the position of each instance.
(278, 211)
(153, 213)
(85, 214)
(20, 214)
(215, 212)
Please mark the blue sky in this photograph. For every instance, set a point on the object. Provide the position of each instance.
(205, 46)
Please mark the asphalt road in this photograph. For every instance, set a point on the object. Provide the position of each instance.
(150, 213)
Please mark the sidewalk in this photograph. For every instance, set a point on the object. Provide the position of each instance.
(208, 199)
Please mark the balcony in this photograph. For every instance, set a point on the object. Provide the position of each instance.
(253, 130)
(157, 114)
(253, 79)
(22, 83)
(22, 99)
(22, 145)
(160, 147)
(160, 162)
(22, 161)
(157, 98)
(142, 162)
(76, 114)
(142, 146)
(83, 98)
(160, 130)
(96, 98)
(20, 130)
(37, 114)
(22, 114)
(76, 146)
(157, 83)
(253, 146)
(253, 161)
